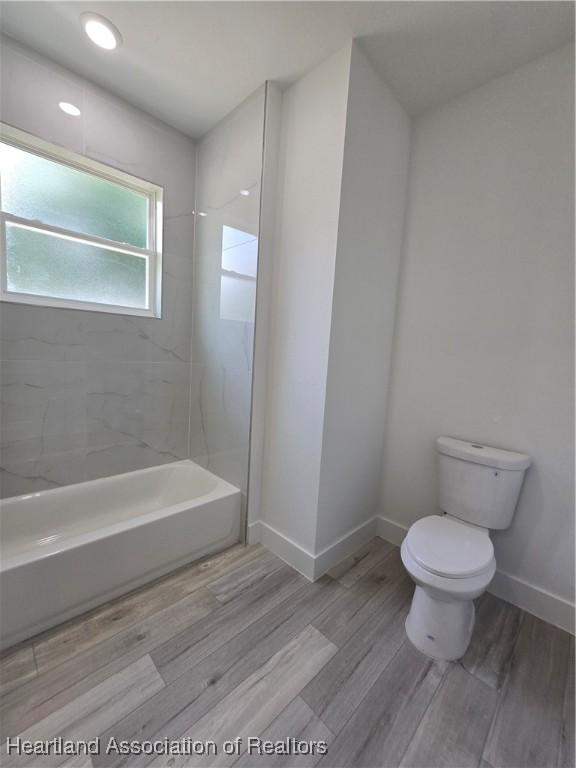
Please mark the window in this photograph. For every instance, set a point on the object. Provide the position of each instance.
(76, 233)
(238, 275)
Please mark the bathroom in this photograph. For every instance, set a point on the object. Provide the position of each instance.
(287, 383)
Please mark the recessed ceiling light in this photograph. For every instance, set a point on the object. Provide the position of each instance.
(202, 213)
(101, 31)
(244, 192)
(69, 109)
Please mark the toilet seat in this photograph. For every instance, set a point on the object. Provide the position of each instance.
(448, 548)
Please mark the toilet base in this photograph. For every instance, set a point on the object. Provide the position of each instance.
(440, 629)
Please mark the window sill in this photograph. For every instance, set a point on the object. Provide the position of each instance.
(85, 306)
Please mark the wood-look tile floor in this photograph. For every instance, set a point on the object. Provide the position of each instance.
(242, 645)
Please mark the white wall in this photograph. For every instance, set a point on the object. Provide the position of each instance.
(312, 145)
(484, 346)
(343, 175)
(368, 257)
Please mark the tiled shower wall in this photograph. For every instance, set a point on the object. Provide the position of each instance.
(85, 394)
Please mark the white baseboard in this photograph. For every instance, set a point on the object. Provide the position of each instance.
(390, 531)
(283, 547)
(344, 547)
(308, 564)
(547, 606)
(254, 535)
(553, 609)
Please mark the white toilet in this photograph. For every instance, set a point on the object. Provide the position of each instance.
(451, 557)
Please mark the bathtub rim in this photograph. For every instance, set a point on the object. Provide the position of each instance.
(36, 553)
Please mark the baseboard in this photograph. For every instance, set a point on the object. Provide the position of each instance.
(547, 606)
(283, 547)
(553, 609)
(390, 531)
(309, 565)
(539, 602)
(344, 547)
(254, 532)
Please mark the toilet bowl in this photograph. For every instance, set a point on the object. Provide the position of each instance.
(450, 557)
(451, 563)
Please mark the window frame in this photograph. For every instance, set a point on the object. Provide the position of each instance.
(152, 253)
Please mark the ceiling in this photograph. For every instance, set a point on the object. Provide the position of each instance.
(190, 63)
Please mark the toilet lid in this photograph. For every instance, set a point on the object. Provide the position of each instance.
(449, 548)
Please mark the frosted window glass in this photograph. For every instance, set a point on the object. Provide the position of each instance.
(47, 265)
(36, 188)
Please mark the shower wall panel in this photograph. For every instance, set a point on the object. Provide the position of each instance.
(88, 394)
(229, 169)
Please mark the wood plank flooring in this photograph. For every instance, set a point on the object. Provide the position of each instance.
(239, 645)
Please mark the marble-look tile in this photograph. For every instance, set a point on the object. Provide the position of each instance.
(232, 466)
(117, 459)
(229, 158)
(138, 404)
(86, 394)
(41, 333)
(14, 484)
(67, 422)
(131, 340)
(220, 421)
(41, 397)
(228, 343)
(43, 424)
(230, 155)
(50, 470)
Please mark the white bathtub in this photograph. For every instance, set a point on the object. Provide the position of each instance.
(67, 550)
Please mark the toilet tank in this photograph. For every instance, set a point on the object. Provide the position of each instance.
(477, 483)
